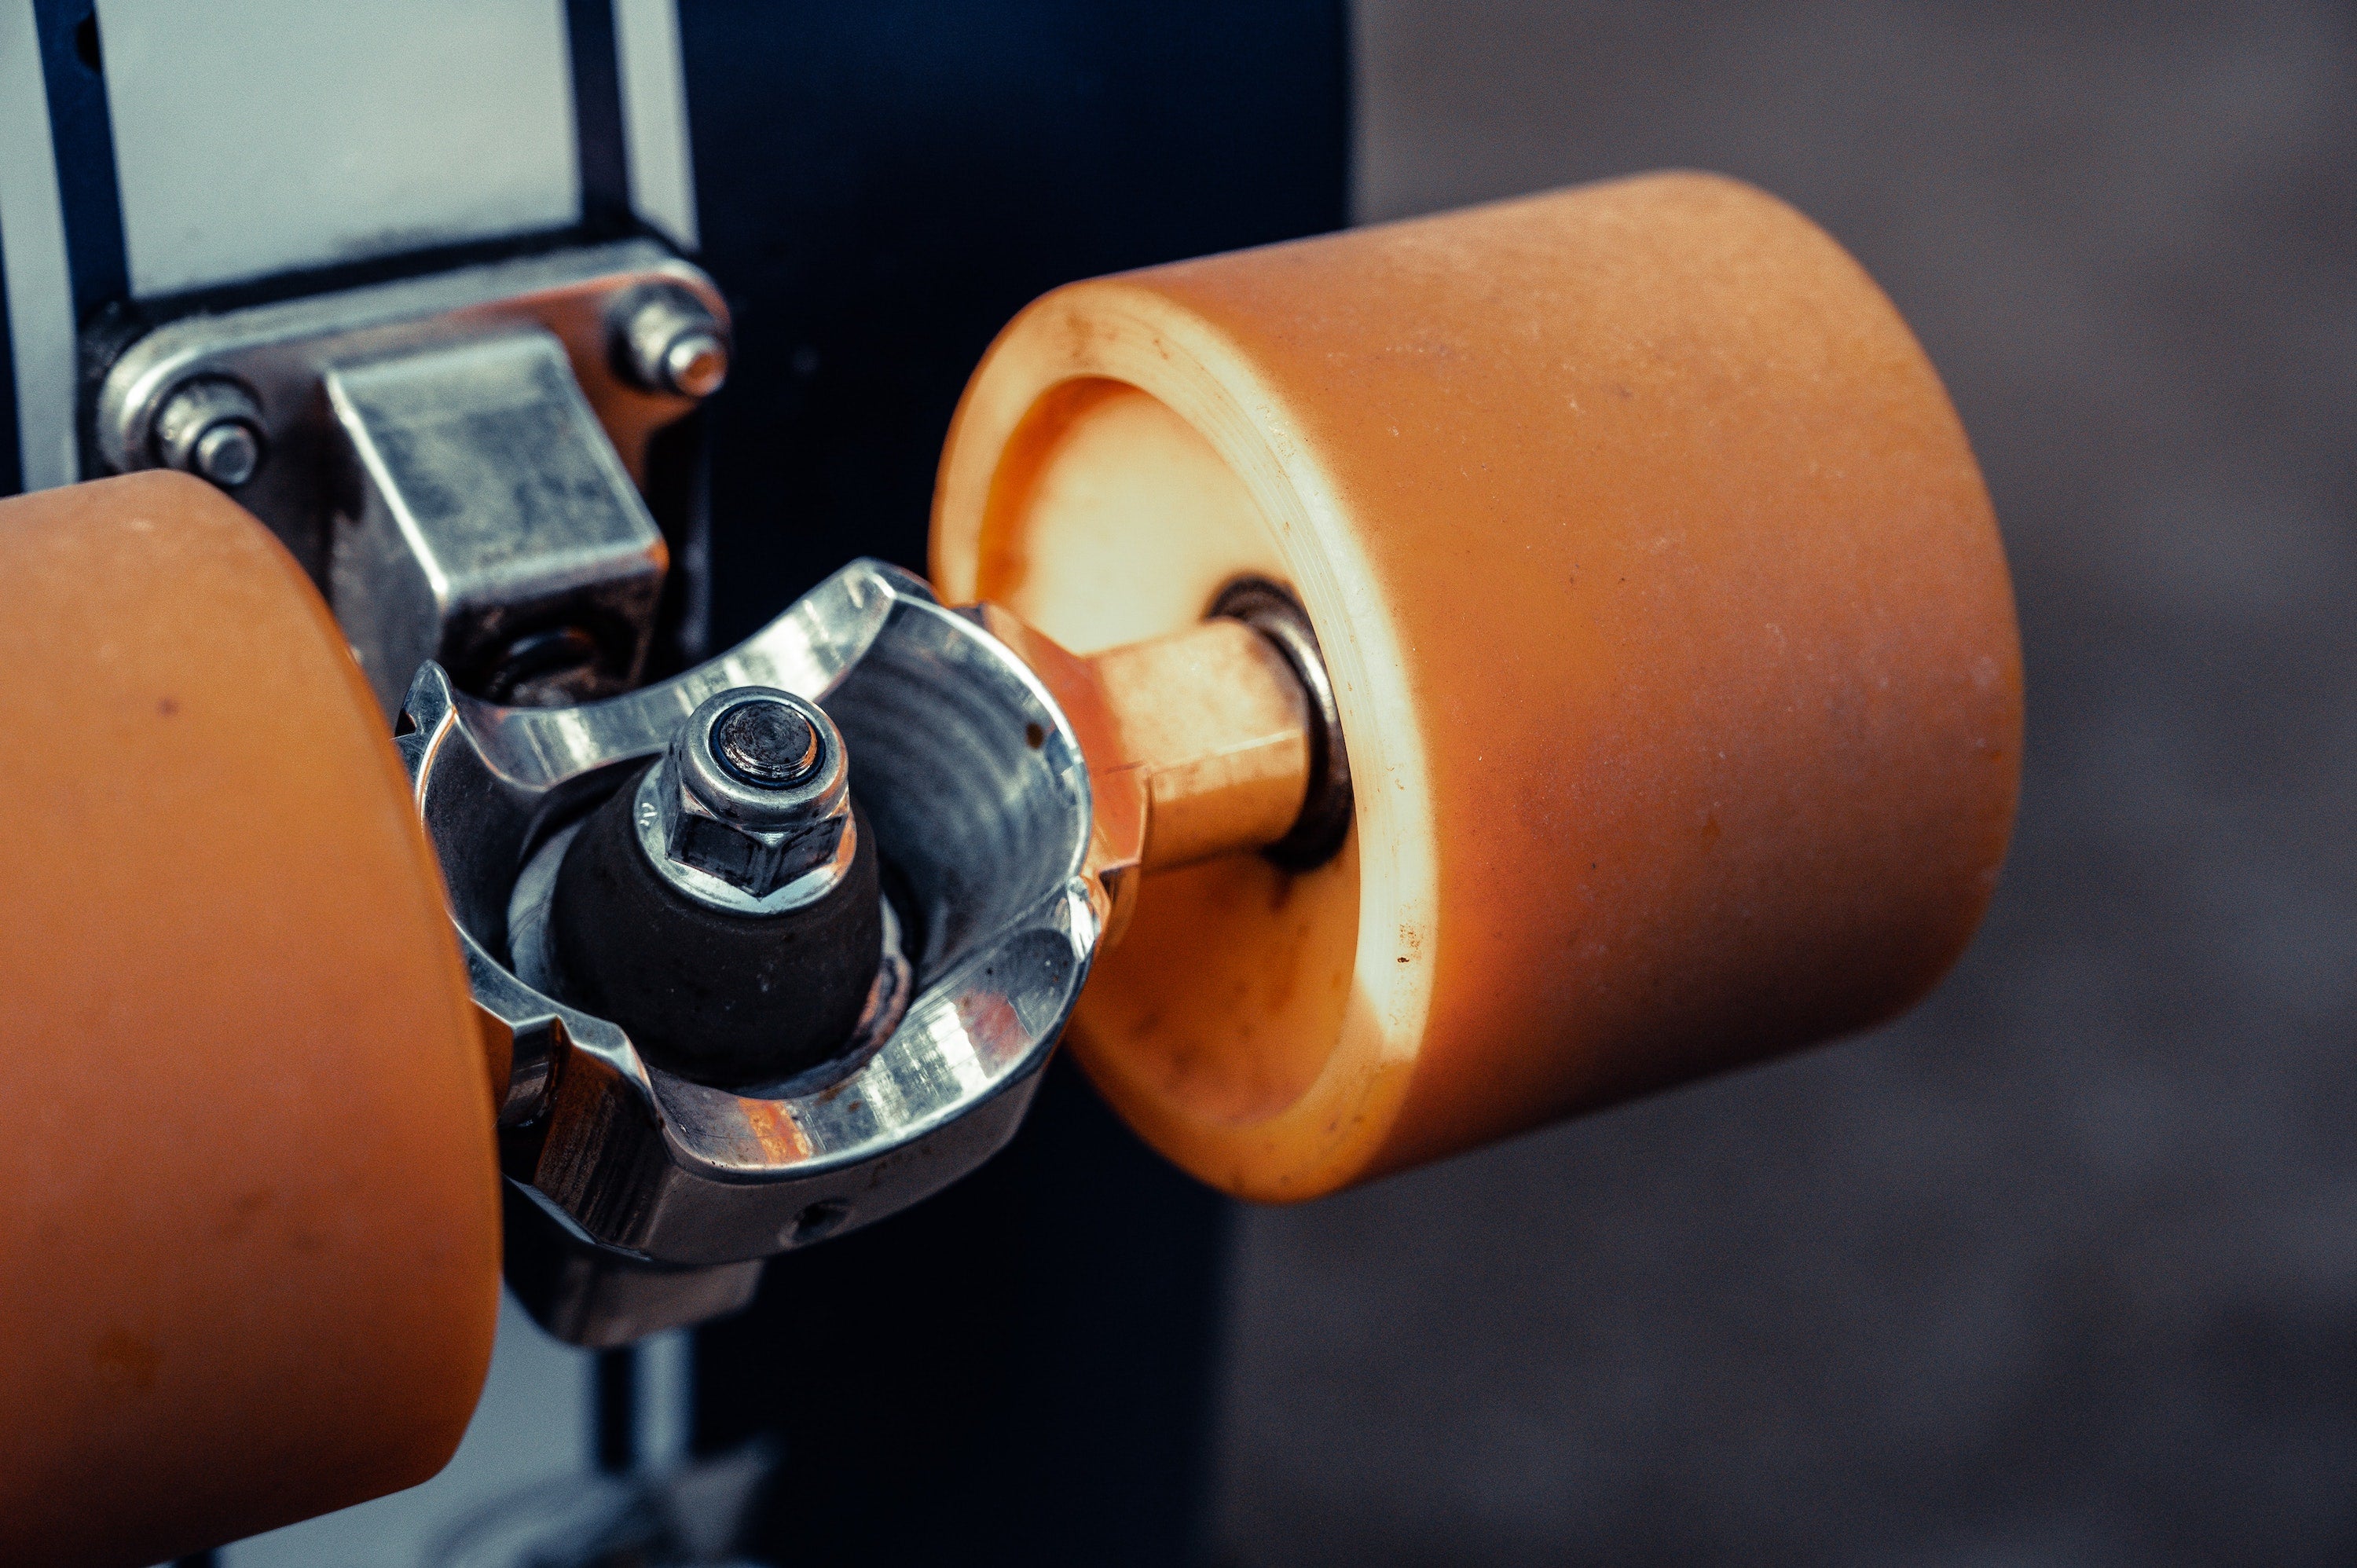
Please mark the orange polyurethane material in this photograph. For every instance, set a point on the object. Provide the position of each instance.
(249, 1215)
(1671, 632)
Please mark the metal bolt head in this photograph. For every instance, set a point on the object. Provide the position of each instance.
(754, 793)
(227, 452)
(212, 428)
(766, 744)
(669, 342)
(695, 364)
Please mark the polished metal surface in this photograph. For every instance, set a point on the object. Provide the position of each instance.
(597, 1297)
(667, 341)
(210, 427)
(1325, 820)
(280, 351)
(975, 787)
(374, 492)
(491, 509)
(226, 454)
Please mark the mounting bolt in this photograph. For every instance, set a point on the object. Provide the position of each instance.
(755, 791)
(669, 342)
(212, 428)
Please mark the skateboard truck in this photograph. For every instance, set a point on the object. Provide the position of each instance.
(740, 1013)
(455, 459)
(741, 1016)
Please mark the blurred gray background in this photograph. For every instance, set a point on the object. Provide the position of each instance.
(2062, 1268)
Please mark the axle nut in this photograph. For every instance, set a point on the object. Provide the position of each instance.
(755, 793)
(726, 909)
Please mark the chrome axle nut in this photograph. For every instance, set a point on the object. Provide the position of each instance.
(754, 794)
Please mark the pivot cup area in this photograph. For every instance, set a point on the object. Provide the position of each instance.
(724, 907)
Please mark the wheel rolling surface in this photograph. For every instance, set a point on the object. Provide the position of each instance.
(1671, 634)
(252, 1212)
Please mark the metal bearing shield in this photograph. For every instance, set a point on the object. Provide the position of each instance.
(979, 797)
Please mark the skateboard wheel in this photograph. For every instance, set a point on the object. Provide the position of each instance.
(1667, 620)
(252, 1209)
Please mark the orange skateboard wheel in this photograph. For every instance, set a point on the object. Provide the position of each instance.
(1670, 628)
(251, 1220)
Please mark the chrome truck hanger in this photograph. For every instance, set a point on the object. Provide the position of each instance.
(657, 1169)
(728, 1034)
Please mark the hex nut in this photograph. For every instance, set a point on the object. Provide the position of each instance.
(759, 862)
(754, 790)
